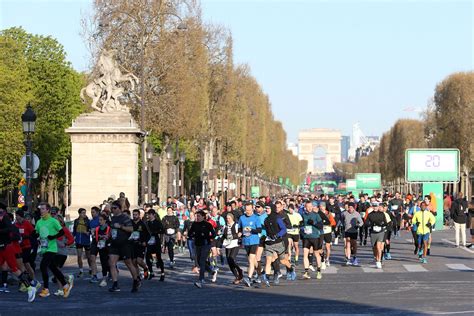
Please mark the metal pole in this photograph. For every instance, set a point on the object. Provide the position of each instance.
(182, 179)
(29, 168)
(142, 125)
(149, 177)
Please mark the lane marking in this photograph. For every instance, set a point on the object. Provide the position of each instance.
(453, 243)
(371, 270)
(414, 268)
(459, 267)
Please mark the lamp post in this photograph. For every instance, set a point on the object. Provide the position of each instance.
(204, 176)
(182, 160)
(169, 155)
(150, 150)
(29, 120)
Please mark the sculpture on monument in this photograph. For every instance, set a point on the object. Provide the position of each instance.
(105, 90)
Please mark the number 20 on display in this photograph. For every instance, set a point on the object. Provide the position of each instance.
(432, 161)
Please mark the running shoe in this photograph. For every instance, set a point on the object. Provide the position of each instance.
(31, 293)
(145, 274)
(293, 275)
(80, 274)
(378, 265)
(277, 276)
(423, 260)
(135, 286)
(319, 275)
(336, 241)
(198, 284)
(348, 262)
(323, 265)
(355, 262)
(103, 283)
(114, 288)
(247, 281)
(328, 263)
(265, 280)
(365, 242)
(67, 289)
(151, 276)
(44, 293)
(4, 288)
(59, 293)
(306, 276)
(162, 277)
(312, 268)
(388, 256)
(94, 279)
(420, 252)
(22, 288)
(214, 276)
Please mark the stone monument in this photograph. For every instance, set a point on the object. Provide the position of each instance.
(105, 143)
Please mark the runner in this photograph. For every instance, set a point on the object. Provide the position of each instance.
(183, 215)
(364, 230)
(216, 243)
(312, 224)
(329, 224)
(139, 237)
(120, 247)
(391, 220)
(395, 207)
(170, 226)
(352, 221)
(275, 247)
(250, 227)
(155, 227)
(49, 230)
(82, 237)
(293, 233)
(423, 221)
(261, 212)
(102, 239)
(202, 233)
(93, 224)
(7, 257)
(231, 244)
(377, 222)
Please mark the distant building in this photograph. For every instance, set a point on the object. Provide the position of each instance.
(345, 146)
(321, 147)
(294, 148)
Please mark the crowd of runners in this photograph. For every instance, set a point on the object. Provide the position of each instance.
(277, 235)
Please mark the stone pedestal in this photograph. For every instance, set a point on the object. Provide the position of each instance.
(104, 159)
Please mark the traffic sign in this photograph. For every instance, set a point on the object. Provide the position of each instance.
(432, 165)
(368, 181)
(36, 162)
(255, 191)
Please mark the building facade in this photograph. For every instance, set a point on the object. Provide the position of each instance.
(321, 147)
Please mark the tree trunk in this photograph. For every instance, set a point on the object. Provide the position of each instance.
(51, 185)
(163, 179)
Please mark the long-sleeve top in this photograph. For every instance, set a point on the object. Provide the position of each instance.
(352, 221)
(202, 233)
(312, 225)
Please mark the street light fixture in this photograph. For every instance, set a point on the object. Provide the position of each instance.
(29, 121)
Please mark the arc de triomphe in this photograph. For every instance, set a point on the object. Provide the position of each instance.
(321, 147)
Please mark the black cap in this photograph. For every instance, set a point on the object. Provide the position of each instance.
(351, 204)
(20, 213)
(260, 204)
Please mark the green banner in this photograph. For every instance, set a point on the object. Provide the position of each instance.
(372, 181)
(255, 192)
(435, 190)
(280, 180)
(351, 185)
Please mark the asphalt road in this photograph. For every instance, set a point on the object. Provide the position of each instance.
(444, 286)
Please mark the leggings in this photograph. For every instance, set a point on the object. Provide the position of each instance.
(47, 262)
(202, 253)
(59, 260)
(363, 232)
(192, 252)
(231, 255)
(170, 245)
(154, 249)
(104, 261)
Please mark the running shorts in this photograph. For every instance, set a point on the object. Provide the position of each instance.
(261, 243)
(278, 248)
(295, 238)
(316, 243)
(251, 249)
(15, 248)
(85, 247)
(377, 237)
(216, 243)
(388, 235)
(124, 251)
(94, 249)
(7, 255)
(138, 251)
(352, 236)
(327, 238)
(26, 255)
(422, 238)
(286, 243)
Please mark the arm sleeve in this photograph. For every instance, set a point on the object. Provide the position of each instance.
(282, 231)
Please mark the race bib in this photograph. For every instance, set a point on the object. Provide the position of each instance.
(135, 235)
(247, 233)
(377, 229)
(269, 239)
(22, 231)
(170, 231)
(308, 230)
(101, 244)
(152, 240)
(114, 233)
(394, 207)
(44, 242)
(327, 229)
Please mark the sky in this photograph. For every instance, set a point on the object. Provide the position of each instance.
(324, 64)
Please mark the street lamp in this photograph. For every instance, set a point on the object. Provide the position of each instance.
(182, 160)
(169, 155)
(150, 150)
(29, 120)
(204, 176)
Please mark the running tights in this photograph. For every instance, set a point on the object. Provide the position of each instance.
(48, 263)
(231, 255)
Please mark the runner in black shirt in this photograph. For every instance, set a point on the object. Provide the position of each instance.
(155, 227)
(139, 237)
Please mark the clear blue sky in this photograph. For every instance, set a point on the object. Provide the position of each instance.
(323, 63)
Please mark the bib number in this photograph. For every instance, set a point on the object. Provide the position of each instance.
(101, 244)
(170, 231)
(152, 240)
(44, 243)
(308, 230)
(377, 229)
(114, 233)
(135, 236)
(22, 231)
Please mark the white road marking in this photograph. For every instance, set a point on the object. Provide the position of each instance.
(453, 243)
(414, 268)
(371, 270)
(459, 267)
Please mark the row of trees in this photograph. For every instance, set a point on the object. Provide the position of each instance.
(34, 70)
(194, 93)
(447, 123)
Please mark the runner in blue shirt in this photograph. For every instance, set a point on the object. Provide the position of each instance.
(249, 229)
